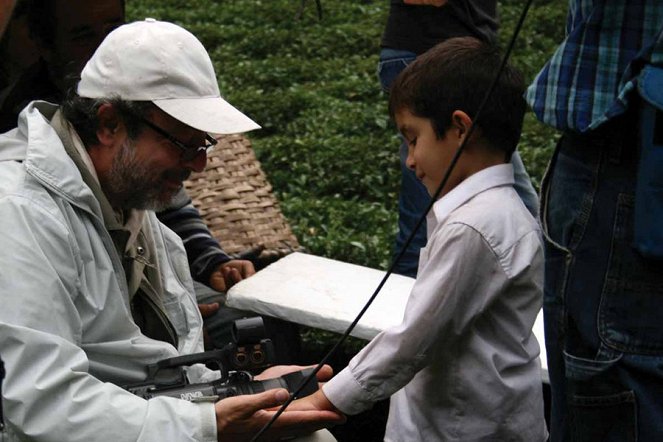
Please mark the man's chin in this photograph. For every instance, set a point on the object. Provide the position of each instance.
(165, 198)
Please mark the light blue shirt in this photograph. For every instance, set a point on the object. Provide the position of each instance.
(590, 77)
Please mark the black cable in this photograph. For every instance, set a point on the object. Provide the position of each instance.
(2, 377)
(454, 160)
(318, 7)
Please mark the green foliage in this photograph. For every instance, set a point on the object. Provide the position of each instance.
(327, 145)
(334, 226)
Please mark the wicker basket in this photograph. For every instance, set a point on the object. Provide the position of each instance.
(237, 204)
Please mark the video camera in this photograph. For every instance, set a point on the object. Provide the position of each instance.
(236, 361)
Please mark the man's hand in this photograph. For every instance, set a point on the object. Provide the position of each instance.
(230, 273)
(425, 2)
(206, 311)
(239, 418)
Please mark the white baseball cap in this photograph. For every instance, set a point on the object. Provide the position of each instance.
(163, 63)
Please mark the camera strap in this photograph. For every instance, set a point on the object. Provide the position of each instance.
(420, 221)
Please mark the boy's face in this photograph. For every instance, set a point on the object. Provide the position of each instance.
(429, 156)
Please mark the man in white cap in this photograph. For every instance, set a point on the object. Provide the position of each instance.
(92, 287)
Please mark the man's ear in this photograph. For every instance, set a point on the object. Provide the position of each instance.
(461, 122)
(110, 124)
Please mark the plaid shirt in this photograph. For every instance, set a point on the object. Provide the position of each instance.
(588, 79)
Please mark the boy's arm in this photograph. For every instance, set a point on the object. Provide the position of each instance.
(448, 295)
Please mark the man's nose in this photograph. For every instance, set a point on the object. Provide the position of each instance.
(197, 163)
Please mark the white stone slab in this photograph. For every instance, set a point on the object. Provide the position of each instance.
(328, 294)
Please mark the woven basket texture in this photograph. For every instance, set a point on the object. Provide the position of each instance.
(236, 201)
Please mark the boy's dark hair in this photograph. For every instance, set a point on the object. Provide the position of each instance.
(456, 75)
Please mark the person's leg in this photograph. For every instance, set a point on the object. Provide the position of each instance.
(604, 337)
(523, 185)
(413, 200)
(390, 64)
(413, 197)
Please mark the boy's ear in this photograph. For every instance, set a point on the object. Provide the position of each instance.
(109, 124)
(461, 123)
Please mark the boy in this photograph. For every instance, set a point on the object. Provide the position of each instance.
(463, 365)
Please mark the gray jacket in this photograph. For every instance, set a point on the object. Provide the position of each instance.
(66, 331)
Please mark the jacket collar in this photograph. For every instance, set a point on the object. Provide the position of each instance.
(73, 146)
(47, 158)
(495, 176)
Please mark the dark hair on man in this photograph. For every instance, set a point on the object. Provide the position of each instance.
(456, 75)
(82, 114)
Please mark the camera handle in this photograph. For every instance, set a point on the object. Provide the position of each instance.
(216, 357)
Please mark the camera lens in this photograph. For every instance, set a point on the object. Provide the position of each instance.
(257, 356)
(241, 359)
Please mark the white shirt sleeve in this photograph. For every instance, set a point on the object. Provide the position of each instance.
(459, 275)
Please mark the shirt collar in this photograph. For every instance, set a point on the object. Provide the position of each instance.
(78, 145)
(494, 176)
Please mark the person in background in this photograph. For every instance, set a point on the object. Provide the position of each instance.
(601, 213)
(93, 287)
(6, 9)
(413, 27)
(463, 364)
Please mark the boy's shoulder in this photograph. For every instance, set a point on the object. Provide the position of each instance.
(499, 216)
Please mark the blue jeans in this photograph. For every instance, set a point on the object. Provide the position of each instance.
(603, 302)
(413, 197)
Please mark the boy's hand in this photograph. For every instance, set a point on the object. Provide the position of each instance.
(325, 373)
(425, 2)
(316, 401)
(239, 418)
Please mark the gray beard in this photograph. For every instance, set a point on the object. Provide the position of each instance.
(131, 185)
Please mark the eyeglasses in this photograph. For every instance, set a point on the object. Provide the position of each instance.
(188, 152)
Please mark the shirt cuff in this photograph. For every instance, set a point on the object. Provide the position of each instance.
(347, 394)
(208, 422)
